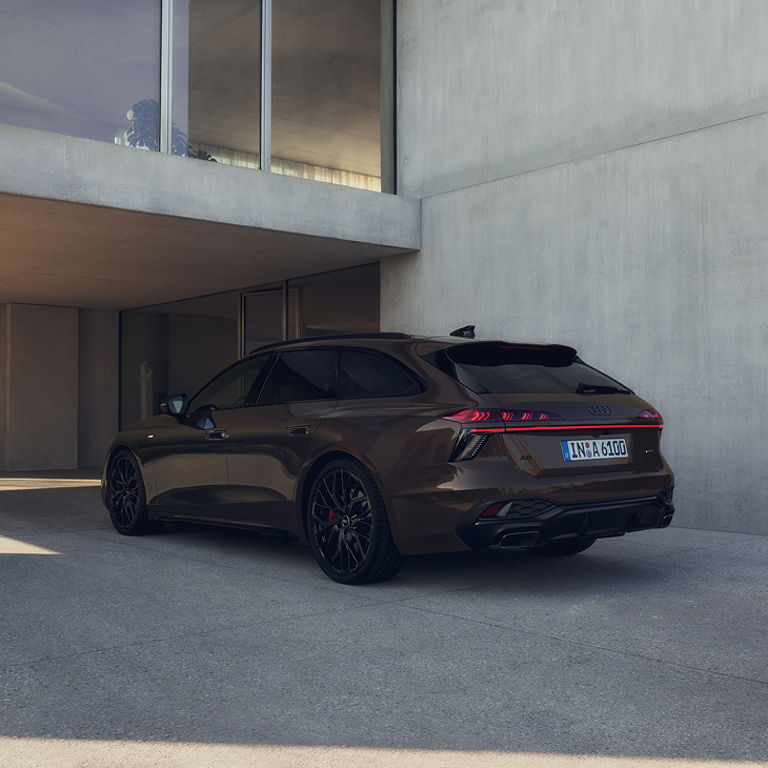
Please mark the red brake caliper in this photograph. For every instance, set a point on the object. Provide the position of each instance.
(332, 515)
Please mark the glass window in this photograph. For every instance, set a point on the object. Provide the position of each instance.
(85, 68)
(236, 387)
(217, 80)
(326, 91)
(343, 301)
(302, 374)
(369, 374)
(172, 348)
(262, 318)
(490, 367)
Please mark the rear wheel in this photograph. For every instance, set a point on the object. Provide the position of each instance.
(562, 548)
(126, 498)
(347, 526)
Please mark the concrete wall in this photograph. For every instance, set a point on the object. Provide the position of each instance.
(491, 88)
(40, 425)
(55, 167)
(98, 372)
(651, 257)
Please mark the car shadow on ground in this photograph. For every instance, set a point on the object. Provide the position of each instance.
(602, 566)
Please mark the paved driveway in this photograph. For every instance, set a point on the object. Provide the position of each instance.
(197, 647)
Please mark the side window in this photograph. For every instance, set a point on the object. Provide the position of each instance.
(301, 374)
(234, 387)
(366, 374)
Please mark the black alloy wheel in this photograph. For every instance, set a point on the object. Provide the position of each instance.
(348, 527)
(562, 548)
(126, 499)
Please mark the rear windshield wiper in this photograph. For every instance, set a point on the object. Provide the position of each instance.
(598, 389)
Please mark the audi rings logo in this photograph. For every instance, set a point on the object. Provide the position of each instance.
(600, 409)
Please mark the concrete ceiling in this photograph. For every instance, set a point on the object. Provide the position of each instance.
(71, 254)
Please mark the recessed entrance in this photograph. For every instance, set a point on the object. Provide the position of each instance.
(176, 347)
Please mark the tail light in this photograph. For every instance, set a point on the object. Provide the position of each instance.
(479, 424)
(481, 421)
(475, 417)
(651, 414)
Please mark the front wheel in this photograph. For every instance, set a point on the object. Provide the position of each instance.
(562, 548)
(126, 498)
(347, 526)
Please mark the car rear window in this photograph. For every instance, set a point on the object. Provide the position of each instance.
(496, 367)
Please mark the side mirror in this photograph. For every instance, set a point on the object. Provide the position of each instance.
(176, 405)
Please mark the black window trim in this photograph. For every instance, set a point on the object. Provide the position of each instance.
(261, 380)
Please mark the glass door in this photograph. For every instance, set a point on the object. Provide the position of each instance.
(263, 318)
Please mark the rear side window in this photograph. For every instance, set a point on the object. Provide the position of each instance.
(368, 374)
(302, 374)
(496, 368)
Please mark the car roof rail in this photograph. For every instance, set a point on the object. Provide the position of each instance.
(339, 336)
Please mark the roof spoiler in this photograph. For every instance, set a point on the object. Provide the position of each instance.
(504, 352)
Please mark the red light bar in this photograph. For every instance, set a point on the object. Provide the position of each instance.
(472, 416)
(567, 427)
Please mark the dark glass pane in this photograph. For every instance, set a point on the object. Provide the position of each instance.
(326, 90)
(86, 68)
(343, 301)
(235, 388)
(516, 369)
(526, 379)
(217, 81)
(263, 318)
(365, 374)
(304, 374)
(172, 348)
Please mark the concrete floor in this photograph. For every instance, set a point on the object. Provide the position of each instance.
(197, 647)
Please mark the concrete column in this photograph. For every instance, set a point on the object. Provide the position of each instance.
(98, 384)
(41, 399)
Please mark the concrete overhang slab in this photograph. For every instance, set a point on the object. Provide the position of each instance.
(95, 225)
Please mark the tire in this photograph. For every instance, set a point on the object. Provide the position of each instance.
(562, 548)
(347, 526)
(125, 498)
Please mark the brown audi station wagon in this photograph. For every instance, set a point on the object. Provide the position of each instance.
(377, 446)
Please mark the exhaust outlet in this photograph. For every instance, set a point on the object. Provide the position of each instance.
(524, 539)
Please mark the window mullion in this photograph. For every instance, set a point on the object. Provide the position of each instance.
(265, 148)
(166, 76)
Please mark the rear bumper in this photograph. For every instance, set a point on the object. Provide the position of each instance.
(563, 522)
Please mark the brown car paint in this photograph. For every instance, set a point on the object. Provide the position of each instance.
(259, 476)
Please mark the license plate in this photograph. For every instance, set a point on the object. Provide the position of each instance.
(591, 450)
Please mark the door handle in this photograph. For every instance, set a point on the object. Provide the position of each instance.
(217, 434)
(298, 429)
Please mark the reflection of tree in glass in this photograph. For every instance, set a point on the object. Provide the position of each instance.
(145, 132)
